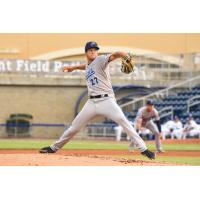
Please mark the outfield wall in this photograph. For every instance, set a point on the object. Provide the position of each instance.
(47, 104)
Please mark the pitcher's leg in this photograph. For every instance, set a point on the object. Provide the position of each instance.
(153, 128)
(79, 122)
(111, 110)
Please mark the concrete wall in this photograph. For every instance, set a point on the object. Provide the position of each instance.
(46, 104)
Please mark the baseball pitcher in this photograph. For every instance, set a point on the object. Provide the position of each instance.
(101, 98)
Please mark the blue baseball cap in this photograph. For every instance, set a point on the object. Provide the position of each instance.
(150, 102)
(91, 45)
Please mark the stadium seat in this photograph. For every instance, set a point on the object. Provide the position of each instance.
(179, 104)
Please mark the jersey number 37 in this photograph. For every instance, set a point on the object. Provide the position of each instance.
(94, 81)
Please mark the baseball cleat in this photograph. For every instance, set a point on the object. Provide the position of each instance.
(149, 154)
(46, 150)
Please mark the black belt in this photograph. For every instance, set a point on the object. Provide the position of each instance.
(98, 96)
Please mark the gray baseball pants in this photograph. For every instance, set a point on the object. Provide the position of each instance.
(107, 107)
(154, 129)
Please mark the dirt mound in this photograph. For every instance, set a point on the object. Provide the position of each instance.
(86, 152)
(66, 160)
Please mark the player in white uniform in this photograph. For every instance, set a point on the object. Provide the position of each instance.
(191, 128)
(101, 100)
(168, 128)
(178, 129)
(144, 119)
(172, 128)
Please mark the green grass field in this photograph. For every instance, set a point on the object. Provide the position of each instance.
(90, 144)
(85, 144)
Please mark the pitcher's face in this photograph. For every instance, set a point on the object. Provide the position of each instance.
(91, 54)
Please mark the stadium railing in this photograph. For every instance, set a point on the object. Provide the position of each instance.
(192, 102)
(160, 94)
(167, 111)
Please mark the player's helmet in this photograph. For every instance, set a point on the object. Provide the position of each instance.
(91, 45)
(150, 102)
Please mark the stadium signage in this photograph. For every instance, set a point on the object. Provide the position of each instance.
(33, 66)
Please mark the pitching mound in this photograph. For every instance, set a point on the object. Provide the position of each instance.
(68, 158)
(62, 160)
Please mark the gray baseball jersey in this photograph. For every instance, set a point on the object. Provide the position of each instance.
(147, 116)
(98, 77)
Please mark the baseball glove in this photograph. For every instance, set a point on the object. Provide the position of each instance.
(127, 63)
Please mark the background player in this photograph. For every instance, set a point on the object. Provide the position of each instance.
(101, 100)
(191, 128)
(144, 119)
(172, 128)
(178, 129)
